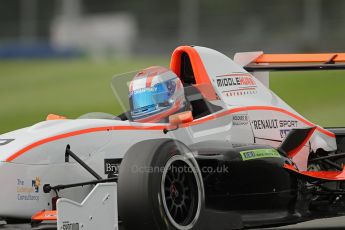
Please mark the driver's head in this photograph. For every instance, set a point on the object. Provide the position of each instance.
(155, 93)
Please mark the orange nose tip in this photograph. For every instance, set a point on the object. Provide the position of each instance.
(55, 117)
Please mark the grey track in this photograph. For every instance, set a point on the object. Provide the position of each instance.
(337, 223)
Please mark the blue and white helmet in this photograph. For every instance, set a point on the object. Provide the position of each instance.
(155, 93)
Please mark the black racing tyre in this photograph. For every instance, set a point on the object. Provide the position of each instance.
(160, 187)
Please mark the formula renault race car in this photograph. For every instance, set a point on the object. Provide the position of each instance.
(238, 157)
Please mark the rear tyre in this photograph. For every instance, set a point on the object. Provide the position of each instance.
(160, 187)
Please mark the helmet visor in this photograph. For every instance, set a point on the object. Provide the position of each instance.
(148, 99)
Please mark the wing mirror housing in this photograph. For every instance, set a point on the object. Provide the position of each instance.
(176, 120)
(181, 118)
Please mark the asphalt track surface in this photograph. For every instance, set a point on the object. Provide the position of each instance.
(337, 223)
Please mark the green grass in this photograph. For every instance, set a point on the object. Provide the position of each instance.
(30, 90)
(318, 95)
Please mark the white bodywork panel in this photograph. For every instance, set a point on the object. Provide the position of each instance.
(22, 199)
(246, 58)
(99, 208)
(35, 156)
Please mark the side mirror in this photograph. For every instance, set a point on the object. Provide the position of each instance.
(178, 119)
(181, 118)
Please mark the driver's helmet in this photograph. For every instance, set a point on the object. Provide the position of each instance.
(155, 93)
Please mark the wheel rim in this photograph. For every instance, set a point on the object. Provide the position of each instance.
(181, 192)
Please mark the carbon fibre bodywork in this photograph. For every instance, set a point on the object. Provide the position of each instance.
(258, 191)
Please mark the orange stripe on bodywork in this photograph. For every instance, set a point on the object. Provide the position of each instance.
(267, 108)
(299, 58)
(161, 127)
(80, 132)
(323, 175)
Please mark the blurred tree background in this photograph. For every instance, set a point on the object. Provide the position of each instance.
(58, 56)
(270, 25)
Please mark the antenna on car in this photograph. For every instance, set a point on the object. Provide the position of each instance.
(166, 130)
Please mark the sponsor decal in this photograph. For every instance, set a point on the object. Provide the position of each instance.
(288, 123)
(36, 184)
(274, 124)
(284, 133)
(28, 191)
(265, 124)
(259, 153)
(237, 84)
(240, 119)
(50, 215)
(238, 145)
(111, 167)
(69, 226)
(228, 80)
(5, 141)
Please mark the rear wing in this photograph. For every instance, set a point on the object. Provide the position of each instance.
(260, 64)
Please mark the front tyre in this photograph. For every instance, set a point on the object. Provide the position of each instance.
(160, 187)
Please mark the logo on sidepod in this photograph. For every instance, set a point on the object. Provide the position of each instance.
(259, 153)
(284, 133)
(240, 119)
(112, 167)
(27, 191)
(36, 184)
(274, 124)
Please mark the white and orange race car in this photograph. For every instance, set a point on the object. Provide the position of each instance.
(240, 157)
